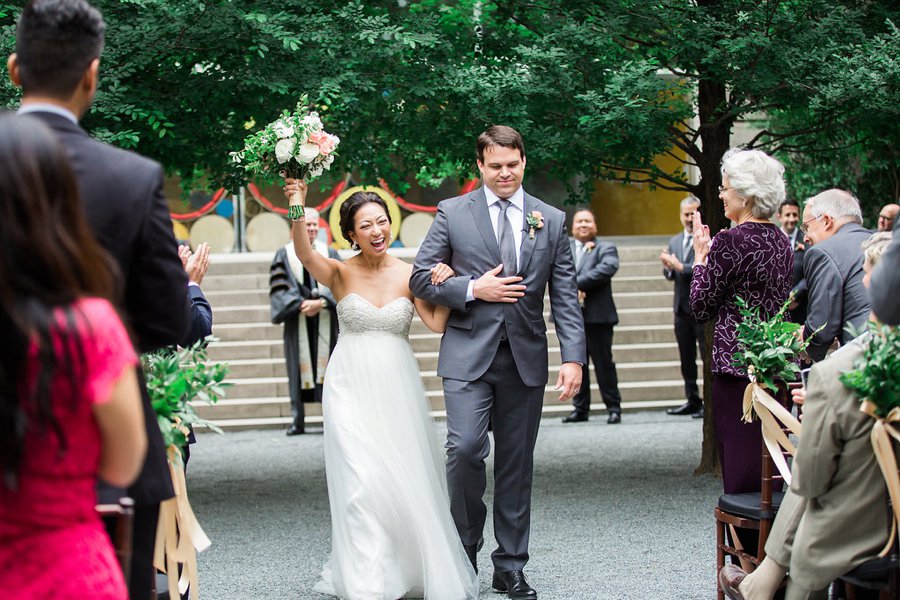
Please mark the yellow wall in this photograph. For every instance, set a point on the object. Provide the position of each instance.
(634, 209)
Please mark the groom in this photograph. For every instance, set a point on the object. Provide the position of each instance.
(505, 247)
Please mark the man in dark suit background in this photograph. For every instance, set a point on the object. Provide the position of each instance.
(789, 217)
(595, 264)
(833, 268)
(678, 266)
(58, 45)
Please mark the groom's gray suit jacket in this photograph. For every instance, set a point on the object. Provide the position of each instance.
(462, 237)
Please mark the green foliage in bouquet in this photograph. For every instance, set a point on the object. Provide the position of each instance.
(175, 378)
(876, 377)
(295, 145)
(769, 348)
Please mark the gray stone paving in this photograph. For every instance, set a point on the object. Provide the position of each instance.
(617, 513)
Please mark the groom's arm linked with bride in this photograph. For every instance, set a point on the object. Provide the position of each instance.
(493, 357)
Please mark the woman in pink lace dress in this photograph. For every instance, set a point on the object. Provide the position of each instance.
(69, 401)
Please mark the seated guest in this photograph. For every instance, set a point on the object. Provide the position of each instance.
(886, 282)
(833, 269)
(834, 516)
(753, 260)
(70, 406)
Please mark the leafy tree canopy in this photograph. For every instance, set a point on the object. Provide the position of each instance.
(598, 87)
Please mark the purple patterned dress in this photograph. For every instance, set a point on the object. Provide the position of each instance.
(754, 261)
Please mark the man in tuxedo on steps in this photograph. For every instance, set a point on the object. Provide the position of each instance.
(56, 62)
(678, 266)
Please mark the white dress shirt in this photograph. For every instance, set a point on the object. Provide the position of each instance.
(49, 108)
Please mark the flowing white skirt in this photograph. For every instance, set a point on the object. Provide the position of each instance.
(392, 533)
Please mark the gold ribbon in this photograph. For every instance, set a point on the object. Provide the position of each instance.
(178, 535)
(882, 432)
(772, 415)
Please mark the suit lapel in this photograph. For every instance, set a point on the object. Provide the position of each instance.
(478, 206)
(527, 247)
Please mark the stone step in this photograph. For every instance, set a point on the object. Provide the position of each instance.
(235, 413)
(228, 298)
(246, 352)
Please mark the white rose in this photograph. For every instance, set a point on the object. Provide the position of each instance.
(237, 157)
(306, 153)
(328, 160)
(315, 171)
(283, 130)
(284, 149)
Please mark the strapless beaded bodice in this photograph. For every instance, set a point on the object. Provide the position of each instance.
(358, 316)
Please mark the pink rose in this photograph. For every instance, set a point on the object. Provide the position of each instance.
(326, 142)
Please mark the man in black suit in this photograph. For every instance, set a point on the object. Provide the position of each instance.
(57, 58)
(789, 217)
(678, 266)
(595, 264)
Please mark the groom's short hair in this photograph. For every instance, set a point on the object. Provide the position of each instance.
(56, 40)
(499, 135)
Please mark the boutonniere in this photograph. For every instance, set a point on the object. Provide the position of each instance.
(799, 247)
(535, 221)
(588, 246)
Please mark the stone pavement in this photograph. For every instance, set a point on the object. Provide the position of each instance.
(617, 513)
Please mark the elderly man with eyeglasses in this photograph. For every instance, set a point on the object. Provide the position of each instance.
(833, 269)
(887, 216)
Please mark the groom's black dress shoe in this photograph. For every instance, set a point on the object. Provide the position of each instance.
(575, 417)
(688, 408)
(514, 584)
(614, 418)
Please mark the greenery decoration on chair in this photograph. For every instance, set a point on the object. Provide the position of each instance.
(175, 379)
(768, 348)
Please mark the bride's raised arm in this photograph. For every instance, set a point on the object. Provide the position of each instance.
(324, 270)
(433, 315)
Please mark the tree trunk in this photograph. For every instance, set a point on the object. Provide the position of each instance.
(715, 133)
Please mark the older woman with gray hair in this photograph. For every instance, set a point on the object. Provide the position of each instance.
(753, 260)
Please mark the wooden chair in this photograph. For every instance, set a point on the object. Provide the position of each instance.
(756, 511)
(879, 574)
(119, 519)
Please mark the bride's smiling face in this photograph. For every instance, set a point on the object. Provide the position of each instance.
(372, 229)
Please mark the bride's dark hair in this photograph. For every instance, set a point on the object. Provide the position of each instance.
(353, 204)
(48, 259)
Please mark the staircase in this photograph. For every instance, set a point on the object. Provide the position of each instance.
(237, 287)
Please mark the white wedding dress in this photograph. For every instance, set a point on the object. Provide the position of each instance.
(392, 533)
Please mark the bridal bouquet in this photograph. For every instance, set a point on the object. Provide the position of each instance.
(295, 145)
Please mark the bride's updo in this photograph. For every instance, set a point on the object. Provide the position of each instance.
(353, 204)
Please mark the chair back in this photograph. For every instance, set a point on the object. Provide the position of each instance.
(121, 518)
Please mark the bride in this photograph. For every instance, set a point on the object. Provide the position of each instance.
(391, 529)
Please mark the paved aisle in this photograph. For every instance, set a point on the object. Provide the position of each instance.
(617, 513)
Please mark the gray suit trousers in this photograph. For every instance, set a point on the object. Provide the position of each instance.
(515, 411)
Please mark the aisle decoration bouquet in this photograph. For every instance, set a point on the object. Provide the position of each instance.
(875, 380)
(295, 145)
(175, 379)
(770, 350)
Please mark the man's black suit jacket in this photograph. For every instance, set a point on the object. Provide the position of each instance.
(594, 277)
(681, 303)
(123, 199)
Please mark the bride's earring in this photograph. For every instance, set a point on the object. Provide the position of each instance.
(354, 246)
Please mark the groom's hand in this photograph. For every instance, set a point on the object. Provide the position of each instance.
(569, 380)
(491, 288)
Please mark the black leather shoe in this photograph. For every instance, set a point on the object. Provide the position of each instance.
(575, 417)
(295, 430)
(698, 414)
(514, 584)
(614, 418)
(688, 408)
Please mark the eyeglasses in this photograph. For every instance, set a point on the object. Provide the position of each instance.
(804, 226)
(723, 189)
(886, 217)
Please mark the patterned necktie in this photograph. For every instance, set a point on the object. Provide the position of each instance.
(505, 239)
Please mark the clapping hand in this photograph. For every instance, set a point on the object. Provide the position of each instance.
(491, 288)
(702, 239)
(441, 273)
(196, 264)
